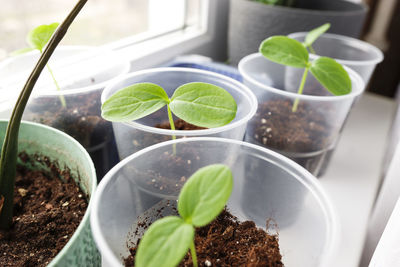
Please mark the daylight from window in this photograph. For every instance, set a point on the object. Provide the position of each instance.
(100, 22)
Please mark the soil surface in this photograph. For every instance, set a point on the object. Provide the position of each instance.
(291, 133)
(47, 212)
(228, 242)
(276, 126)
(179, 125)
(81, 119)
(186, 160)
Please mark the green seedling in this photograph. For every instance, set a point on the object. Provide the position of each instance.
(201, 199)
(290, 52)
(9, 151)
(201, 104)
(37, 39)
(288, 3)
(313, 35)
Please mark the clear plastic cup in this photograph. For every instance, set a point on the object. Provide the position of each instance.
(135, 135)
(358, 55)
(82, 74)
(264, 182)
(307, 135)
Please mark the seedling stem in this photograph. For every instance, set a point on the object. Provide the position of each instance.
(62, 99)
(300, 91)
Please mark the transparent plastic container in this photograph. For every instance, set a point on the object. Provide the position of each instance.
(266, 186)
(135, 135)
(82, 74)
(307, 135)
(358, 55)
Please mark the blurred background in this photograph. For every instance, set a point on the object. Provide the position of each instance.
(104, 21)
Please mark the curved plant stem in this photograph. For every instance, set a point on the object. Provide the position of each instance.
(193, 253)
(300, 91)
(311, 49)
(62, 99)
(10, 146)
(172, 125)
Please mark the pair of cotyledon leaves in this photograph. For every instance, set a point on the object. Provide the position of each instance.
(201, 104)
(200, 201)
(290, 52)
(38, 37)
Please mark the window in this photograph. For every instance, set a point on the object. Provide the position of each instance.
(118, 23)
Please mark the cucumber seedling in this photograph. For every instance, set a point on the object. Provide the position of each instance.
(201, 104)
(200, 201)
(290, 52)
(37, 39)
(9, 150)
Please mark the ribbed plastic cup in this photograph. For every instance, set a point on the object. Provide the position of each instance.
(358, 55)
(147, 183)
(135, 135)
(322, 116)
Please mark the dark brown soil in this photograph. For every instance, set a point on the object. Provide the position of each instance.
(179, 125)
(305, 131)
(82, 120)
(47, 212)
(228, 242)
(276, 126)
(185, 161)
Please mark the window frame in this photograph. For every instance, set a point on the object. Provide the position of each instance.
(208, 39)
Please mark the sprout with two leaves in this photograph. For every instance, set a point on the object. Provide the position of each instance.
(198, 103)
(200, 201)
(37, 39)
(290, 52)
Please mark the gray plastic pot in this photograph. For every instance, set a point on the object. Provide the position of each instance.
(57, 146)
(251, 22)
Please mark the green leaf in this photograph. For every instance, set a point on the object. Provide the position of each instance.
(314, 34)
(205, 194)
(134, 102)
(21, 51)
(203, 104)
(165, 243)
(331, 75)
(39, 36)
(285, 51)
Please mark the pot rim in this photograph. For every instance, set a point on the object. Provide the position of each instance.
(357, 84)
(244, 91)
(359, 9)
(88, 52)
(309, 181)
(93, 185)
(353, 42)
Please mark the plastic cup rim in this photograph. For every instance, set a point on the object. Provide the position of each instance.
(310, 182)
(378, 55)
(245, 92)
(77, 90)
(357, 83)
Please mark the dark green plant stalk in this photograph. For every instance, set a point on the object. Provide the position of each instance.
(9, 151)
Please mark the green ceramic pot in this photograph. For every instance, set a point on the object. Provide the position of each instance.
(58, 146)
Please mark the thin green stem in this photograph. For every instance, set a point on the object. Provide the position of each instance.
(193, 253)
(9, 150)
(172, 125)
(300, 91)
(62, 99)
(311, 49)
